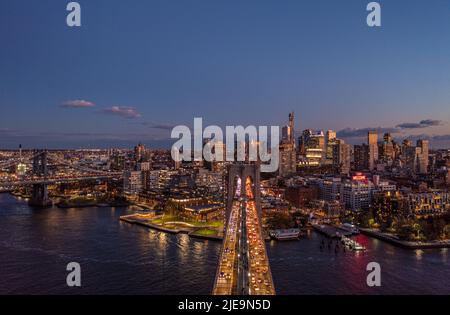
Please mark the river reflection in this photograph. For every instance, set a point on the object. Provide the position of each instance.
(119, 258)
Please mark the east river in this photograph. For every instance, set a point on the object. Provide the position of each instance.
(119, 258)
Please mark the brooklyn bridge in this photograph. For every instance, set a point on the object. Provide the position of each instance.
(243, 267)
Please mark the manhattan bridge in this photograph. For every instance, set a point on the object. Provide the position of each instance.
(40, 177)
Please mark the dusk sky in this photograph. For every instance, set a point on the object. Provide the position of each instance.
(136, 68)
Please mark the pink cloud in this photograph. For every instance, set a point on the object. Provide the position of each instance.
(123, 111)
(77, 104)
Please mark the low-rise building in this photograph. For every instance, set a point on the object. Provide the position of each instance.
(204, 212)
(423, 204)
(300, 196)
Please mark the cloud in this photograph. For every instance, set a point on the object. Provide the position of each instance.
(441, 138)
(362, 132)
(123, 111)
(77, 104)
(422, 124)
(431, 122)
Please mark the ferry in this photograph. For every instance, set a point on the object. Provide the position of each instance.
(358, 247)
(286, 234)
(351, 244)
(349, 228)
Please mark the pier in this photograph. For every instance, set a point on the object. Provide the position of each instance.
(331, 231)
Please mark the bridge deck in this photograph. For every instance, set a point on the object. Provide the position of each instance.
(233, 272)
(226, 277)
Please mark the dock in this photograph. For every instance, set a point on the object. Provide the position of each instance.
(331, 231)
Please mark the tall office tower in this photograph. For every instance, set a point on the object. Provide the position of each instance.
(386, 150)
(287, 132)
(406, 143)
(387, 137)
(423, 156)
(287, 161)
(372, 141)
(330, 142)
(288, 156)
(372, 137)
(416, 158)
(331, 135)
(342, 156)
(303, 140)
(361, 157)
(315, 150)
(410, 157)
(292, 129)
(139, 152)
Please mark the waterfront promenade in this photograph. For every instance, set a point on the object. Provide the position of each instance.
(175, 227)
(405, 244)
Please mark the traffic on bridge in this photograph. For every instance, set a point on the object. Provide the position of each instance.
(243, 267)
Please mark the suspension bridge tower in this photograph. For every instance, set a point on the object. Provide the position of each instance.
(39, 197)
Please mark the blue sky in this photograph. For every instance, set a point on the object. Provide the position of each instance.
(141, 67)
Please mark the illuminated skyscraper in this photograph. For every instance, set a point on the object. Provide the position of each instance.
(416, 158)
(288, 156)
(303, 140)
(361, 157)
(330, 142)
(372, 141)
(422, 167)
(331, 135)
(287, 132)
(387, 138)
(386, 151)
(139, 152)
(315, 149)
(341, 156)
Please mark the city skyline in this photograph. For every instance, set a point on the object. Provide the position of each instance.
(131, 73)
(220, 154)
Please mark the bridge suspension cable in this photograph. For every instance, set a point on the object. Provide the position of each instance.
(9, 164)
(79, 168)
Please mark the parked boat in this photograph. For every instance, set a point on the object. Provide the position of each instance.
(349, 228)
(352, 244)
(285, 234)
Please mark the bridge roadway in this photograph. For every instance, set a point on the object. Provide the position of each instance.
(259, 274)
(55, 180)
(243, 263)
(226, 277)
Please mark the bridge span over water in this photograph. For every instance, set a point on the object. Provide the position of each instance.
(40, 177)
(243, 267)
